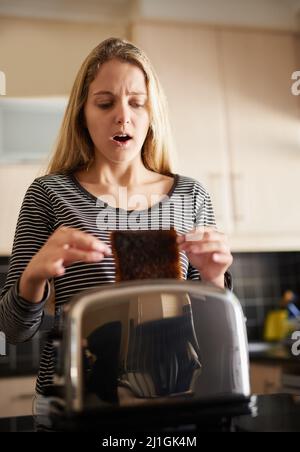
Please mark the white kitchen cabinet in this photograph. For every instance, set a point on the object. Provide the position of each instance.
(264, 132)
(186, 60)
(265, 378)
(236, 124)
(14, 181)
(17, 395)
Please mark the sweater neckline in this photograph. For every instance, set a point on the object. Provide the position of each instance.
(119, 209)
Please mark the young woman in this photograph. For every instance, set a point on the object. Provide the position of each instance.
(111, 170)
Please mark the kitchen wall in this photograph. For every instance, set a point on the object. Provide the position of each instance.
(41, 57)
(259, 13)
(234, 73)
(235, 123)
(14, 180)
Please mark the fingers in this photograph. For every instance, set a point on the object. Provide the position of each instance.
(221, 258)
(65, 247)
(71, 255)
(208, 251)
(201, 233)
(52, 262)
(180, 239)
(206, 240)
(80, 246)
(74, 238)
(205, 235)
(202, 247)
(58, 268)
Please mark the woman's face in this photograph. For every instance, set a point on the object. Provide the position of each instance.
(116, 111)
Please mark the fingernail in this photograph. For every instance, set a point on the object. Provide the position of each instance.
(97, 256)
(216, 257)
(98, 246)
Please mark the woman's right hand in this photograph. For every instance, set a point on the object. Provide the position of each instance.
(64, 247)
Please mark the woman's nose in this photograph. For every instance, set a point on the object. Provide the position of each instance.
(123, 115)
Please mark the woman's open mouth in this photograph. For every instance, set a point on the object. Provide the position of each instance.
(122, 140)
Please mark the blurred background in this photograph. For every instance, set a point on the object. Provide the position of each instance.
(226, 67)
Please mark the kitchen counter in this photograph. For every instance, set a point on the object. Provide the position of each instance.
(272, 352)
(275, 413)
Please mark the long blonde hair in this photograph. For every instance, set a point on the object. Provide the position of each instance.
(75, 150)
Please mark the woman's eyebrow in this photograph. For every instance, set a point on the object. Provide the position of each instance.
(135, 93)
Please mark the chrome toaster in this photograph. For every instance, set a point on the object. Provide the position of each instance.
(152, 343)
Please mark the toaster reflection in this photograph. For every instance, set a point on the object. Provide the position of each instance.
(152, 353)
(152, 342)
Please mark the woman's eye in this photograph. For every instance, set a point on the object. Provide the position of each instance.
(104, 106)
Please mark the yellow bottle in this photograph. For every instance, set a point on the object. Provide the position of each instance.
(276, 325)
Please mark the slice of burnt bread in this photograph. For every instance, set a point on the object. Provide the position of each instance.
(145, 255)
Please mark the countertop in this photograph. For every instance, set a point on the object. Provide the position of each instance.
(272, 352)
(274, 413)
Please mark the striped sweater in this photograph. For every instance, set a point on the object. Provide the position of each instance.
(55, 200)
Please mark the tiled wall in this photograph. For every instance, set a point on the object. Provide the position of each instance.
(259, 281)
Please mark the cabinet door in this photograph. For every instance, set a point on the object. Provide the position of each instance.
(14, 181)
(265, 379)
(186, 61)
(264, 136)
(17, 395)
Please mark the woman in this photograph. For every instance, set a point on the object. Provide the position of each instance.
(114, 139)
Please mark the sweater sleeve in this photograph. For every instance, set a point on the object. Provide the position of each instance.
(204, 216)
(20, 319)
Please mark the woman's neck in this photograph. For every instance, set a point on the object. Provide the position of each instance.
(119, 175)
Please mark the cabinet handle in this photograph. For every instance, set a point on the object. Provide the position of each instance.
(215, 184)
(238, 197)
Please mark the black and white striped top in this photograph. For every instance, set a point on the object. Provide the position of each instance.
(55, 200)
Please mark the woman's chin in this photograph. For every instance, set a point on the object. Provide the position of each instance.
(122, 155)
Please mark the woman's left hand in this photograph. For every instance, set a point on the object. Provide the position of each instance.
(208, 251)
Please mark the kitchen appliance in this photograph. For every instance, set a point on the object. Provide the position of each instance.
(172, 350)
